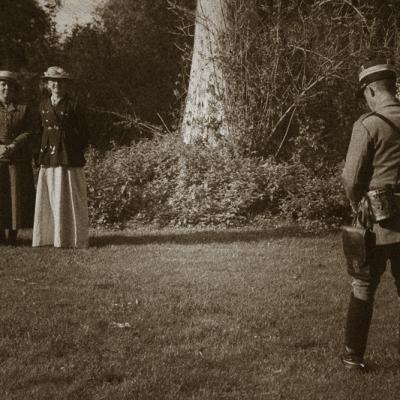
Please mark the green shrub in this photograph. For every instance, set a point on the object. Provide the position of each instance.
(165, 182)
(314, 198)
(218, 186)
(130, 181)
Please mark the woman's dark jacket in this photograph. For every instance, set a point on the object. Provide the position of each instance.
(18, 125)
(64, 133)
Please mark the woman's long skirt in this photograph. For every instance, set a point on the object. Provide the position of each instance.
(61, 210)
(17, 195)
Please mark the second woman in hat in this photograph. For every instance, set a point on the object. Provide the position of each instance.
(61, 215)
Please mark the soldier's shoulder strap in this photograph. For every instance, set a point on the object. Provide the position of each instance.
(388, 121)
(380, 116)
(366, 115)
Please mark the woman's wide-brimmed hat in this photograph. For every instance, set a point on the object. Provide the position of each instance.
(9, 76)
(55, 72)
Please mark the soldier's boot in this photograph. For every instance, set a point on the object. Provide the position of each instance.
(356, 334)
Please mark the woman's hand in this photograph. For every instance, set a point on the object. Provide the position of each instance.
(3, 150)
(7, 150)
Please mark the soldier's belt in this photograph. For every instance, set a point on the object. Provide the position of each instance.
(384, 202)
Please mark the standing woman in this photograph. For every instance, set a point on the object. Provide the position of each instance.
(61, 212)
(17, 132)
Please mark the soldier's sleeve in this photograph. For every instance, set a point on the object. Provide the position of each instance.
(358, 166)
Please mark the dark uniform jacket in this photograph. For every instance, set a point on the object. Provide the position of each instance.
(64, 133)
(18, 125)
(373, 161)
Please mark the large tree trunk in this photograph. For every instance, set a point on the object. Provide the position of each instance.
(204, 116)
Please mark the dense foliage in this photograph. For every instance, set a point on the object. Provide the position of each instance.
(291, 74)
(27, 35)
(165, 182)
(290, 70)
(128, 62)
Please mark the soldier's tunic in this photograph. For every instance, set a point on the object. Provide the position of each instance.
(18, 126)
(373, 161)
(61, 215)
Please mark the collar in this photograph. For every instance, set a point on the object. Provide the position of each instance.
(387, 103)
(60, 101)
(61, 105)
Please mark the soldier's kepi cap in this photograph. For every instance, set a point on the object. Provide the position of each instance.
(375, 70)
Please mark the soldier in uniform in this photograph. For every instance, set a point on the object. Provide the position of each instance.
(373, 163)
(18, 127)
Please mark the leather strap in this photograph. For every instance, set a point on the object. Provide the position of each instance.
(396, 129)
(388, 121)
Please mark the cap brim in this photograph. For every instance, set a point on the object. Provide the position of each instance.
(360, 92)
(57, 78)
(8, 78)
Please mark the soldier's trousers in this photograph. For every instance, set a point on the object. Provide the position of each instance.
(362, 299)
(365, 290)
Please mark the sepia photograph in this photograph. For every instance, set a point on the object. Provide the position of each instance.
(199, 199)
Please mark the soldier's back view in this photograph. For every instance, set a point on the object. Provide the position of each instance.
(371, 175)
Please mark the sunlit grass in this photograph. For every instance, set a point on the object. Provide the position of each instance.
(186, 315)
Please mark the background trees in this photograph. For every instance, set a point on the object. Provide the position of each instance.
(129, 64)
(290, 70)
(26, 35)
(272, 83)
(204, 114)
(279, 78)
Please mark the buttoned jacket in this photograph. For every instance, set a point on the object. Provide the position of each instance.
(64, 133)
(373, 161)
(19, 126)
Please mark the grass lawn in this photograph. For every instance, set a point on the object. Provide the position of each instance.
(187, 315)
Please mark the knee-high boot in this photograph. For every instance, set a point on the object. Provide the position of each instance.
(356, 335)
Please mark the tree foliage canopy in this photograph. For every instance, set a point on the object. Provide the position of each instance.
(128, 60)
(292, 72)
(26, 34)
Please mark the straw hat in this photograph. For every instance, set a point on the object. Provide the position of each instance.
(8, 76)
(55, 72)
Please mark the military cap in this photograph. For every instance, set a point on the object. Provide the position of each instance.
(8, 76)
(55, 72)
(375, 70)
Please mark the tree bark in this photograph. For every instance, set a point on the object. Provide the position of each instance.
(204, 116)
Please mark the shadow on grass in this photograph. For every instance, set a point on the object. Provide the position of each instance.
(199, 237)
(21, 241)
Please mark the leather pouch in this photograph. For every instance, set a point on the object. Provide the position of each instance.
(358, 243)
